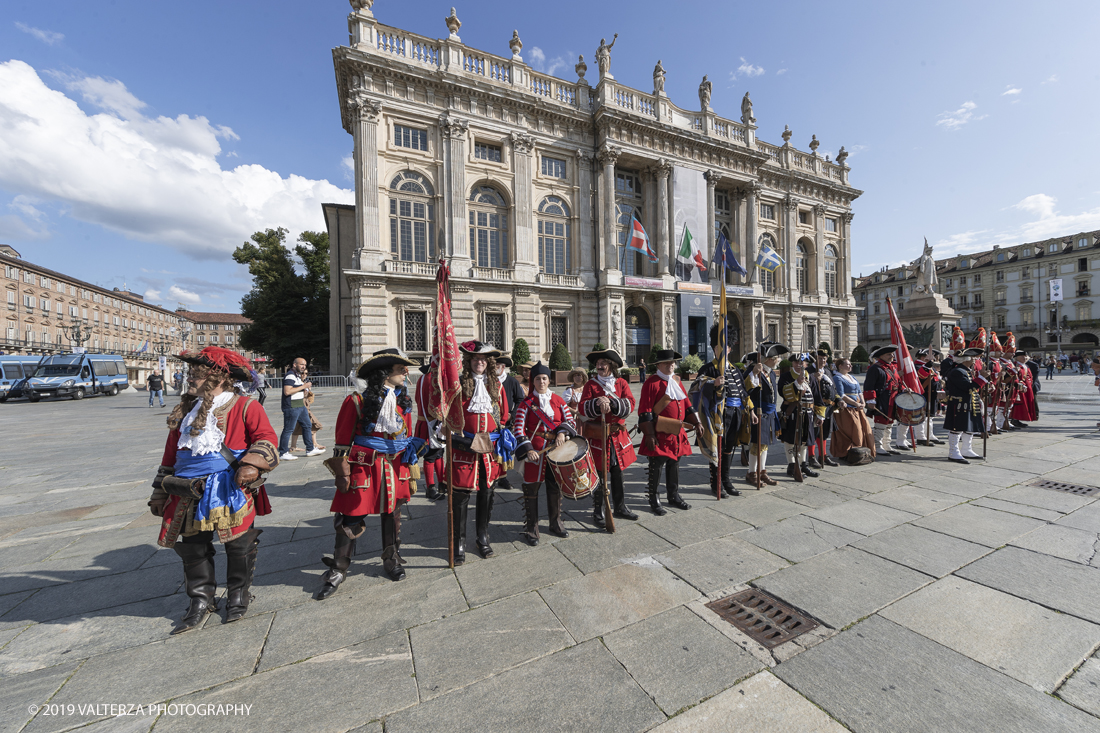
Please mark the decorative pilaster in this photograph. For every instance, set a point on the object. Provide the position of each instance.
(819, 253)
(663, 170)
(844, 268)
(453, 130)
(526, 264)
(789, 244)
(668, 321)
(712, 178)
(752, 192)
(365, 112)
(609, 263)
(582, 217)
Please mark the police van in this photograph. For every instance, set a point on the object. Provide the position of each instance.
(76, 376)
(13, 370)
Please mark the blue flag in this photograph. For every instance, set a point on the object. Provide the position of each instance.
(723, 255)
(768, 259)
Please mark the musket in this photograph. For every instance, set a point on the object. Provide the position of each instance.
(798, 438)
(609, 521)
(759, 439)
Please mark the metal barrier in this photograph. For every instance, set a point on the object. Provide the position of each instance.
(325, 381)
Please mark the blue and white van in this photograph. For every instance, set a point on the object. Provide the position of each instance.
(76, 376)
(13, 369)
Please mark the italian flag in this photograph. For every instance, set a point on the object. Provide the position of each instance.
(691, 258)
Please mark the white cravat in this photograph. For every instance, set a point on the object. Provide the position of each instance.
(480, 403)
(544, 402)
(388, 420)
(608, 383)
(211, 438)
(673, 390)
(502, 376)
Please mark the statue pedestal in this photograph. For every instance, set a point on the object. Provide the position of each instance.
(924, 311)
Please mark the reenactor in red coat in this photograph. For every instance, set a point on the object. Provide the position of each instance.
(607, 398)
(880, 388)
(663, 410)
(426, 425)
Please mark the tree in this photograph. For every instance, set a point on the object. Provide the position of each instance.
(521, 353)
(288, 305)
(560, 360)
(860, 355)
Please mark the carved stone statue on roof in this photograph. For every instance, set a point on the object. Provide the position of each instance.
(746, 110)
(705, 88)
(603, 55)
(658, 78)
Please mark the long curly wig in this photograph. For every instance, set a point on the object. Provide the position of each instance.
(211, 380)
(375, 393)
(467, 380)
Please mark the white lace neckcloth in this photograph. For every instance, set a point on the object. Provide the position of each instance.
(673, 390)
(211, 438)
(480, 403)
(544, 402)
(608, 383)
(388, 420)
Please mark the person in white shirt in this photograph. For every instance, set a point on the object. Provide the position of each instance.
(295, 412)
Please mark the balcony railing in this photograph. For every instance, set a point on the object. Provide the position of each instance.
(491, 273)
(1026, 298)
(571, 281)
(410, 268)
(1000, 301)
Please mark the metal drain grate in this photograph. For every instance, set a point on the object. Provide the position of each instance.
(1075, 489)
(763, 617)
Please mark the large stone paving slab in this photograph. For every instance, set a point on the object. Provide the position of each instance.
(1050, 581)
(679, 659)
(330, 693)
(799, 537)
(761, 703)
(843, 586)
(722, 563)
(1086, 518)
(518, 572)
(609, 599)
(878, 677)
(82, 596)
(987, 527)
(759, 510)
(814, 497)
(1058, 501)
(1022, 639)
(871, 483)
(862, 516)
(958, 483)
(915, 500)
(696, 525)
(307, 630)
(1024, 510)
(464, 648)
(599, 550)
(1083, 688)
(582, 688)
(17, 694)
(933, 553)
(1064, 542)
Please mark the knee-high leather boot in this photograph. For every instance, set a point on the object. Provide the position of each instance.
(483, 512)
(724, 474)
(672, 485)
(715, 483)
(553, 506)
(531, 513)
(397, 531)
(460, 508)
(338, 565)
(654, 478)
(240, 558)
(598, 506)
(390, 563)
(198, 573)
(618, 495)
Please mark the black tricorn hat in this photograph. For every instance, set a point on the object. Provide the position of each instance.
(883, 351)
(771, 349)
(750, 358)
(477, 347)
(539, 368)
(665, 355)
(429, 365)
(610, 354)
(505, 360)
(384, 359)
(973, 352)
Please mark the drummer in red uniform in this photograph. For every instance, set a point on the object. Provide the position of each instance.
(663, 410)
(426, 425)
(482, 446)
(371, 462)
(542, 415)
(607, 397)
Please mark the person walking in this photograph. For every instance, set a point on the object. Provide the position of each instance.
(1049, 364)
(295, 411)
(155, 385)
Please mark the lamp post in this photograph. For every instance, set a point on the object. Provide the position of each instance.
(185, 337)
(79, 334)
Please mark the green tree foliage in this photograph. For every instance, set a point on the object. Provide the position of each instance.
(288, 303)
(521, 352)
(824, 346)
(690, 364)
(560, 361)
(860, 355)
(598, 346)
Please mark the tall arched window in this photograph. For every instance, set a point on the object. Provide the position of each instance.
(555, 249)
(800, 259)
(830, 270)
(412, 218)
(628, 204)
(723, 222)
(488, 227)
(767, 279)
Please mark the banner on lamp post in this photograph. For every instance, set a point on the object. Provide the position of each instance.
(1055, 290)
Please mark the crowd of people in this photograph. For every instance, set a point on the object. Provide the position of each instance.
(221, 445)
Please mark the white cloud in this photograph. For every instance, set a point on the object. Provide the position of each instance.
(1010, 90)
(958, 118)
(781, 72)
(151, 179)
(747, 69)
(183, 296)
(151, 296)
(1052, 79)
(1038, 203)
(537, 58)
(348, 163)
(47, 37)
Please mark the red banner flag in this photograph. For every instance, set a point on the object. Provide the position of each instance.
(445, 386)
(906, 368)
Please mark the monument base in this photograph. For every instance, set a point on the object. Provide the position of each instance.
(928, 321)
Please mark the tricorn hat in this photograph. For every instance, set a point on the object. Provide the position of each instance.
(610, 354)
(505, 360)
(476, 347)
(223, 360)
(770, 349)
(750, 358)
(1020, 353)
(971, 352)
(665, 355)
(539, 368)
(384, 359)
(883, 351)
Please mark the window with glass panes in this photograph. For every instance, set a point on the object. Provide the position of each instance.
(494, 329)
(830, 225)
(830, 270)
(485, 151)
(723, 223)
(488, 227)
(410, 137)
(767, 211)
(800, 262)
(767, 279)
(416, 330)
(555, 250)
(837, 345)
(628, 203)
(558, 332)
(554, 167)
(412, 215)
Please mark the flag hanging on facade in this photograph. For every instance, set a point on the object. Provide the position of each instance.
(144, 347)
(639, 240)
(444, 385)
(690, 258)
(906, 368)
(768, 259)
(1055, 289)
(723, 255)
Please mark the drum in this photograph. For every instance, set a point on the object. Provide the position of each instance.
(909, 408)
(573, 468)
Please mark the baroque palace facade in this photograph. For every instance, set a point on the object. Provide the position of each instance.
(528, 184)
(1002, 289)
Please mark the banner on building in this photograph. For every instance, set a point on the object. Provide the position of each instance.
(1055, 290)
(690, 266)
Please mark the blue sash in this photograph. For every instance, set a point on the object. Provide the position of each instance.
(221, 492)
(504, 443)
(408, 447)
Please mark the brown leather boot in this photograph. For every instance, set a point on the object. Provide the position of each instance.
(766, 479)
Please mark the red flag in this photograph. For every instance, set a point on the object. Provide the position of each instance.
(445, 386)
(906, 368)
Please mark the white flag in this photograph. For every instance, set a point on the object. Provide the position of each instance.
(1055, 290)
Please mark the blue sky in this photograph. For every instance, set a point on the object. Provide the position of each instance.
(140, 142)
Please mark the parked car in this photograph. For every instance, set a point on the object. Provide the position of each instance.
(76, 376)
(13, 370)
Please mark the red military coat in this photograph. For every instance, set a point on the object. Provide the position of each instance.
(422, 415)
(244, 429)
(1026, 408)
(668, 445)
(622, 404)
(378, 480)
(533, 434)
(465, 465)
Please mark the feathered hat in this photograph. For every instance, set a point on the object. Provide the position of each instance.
(1010, 345)
(994, 343)
(222, 360)
(979, 341)
(384, 359)
(479, 349)
(958, 339)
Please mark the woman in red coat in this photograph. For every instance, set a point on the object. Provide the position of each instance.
(482, 447)
(372, 462)
(198, 492)
(663, 410)
(542, 415)
(607, 397)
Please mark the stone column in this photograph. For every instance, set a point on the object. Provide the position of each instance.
(609, 263)
(663, 169)
(454, 131)
(752, 211)
(844, 266)
(582, 220)
(365, 113)
(526, 253)
(709, 237)
(789, 243)
(819, 254)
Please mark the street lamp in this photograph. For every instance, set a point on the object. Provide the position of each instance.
(79, 334)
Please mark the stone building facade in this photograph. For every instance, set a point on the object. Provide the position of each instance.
(528, 185)
(1003, 289)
